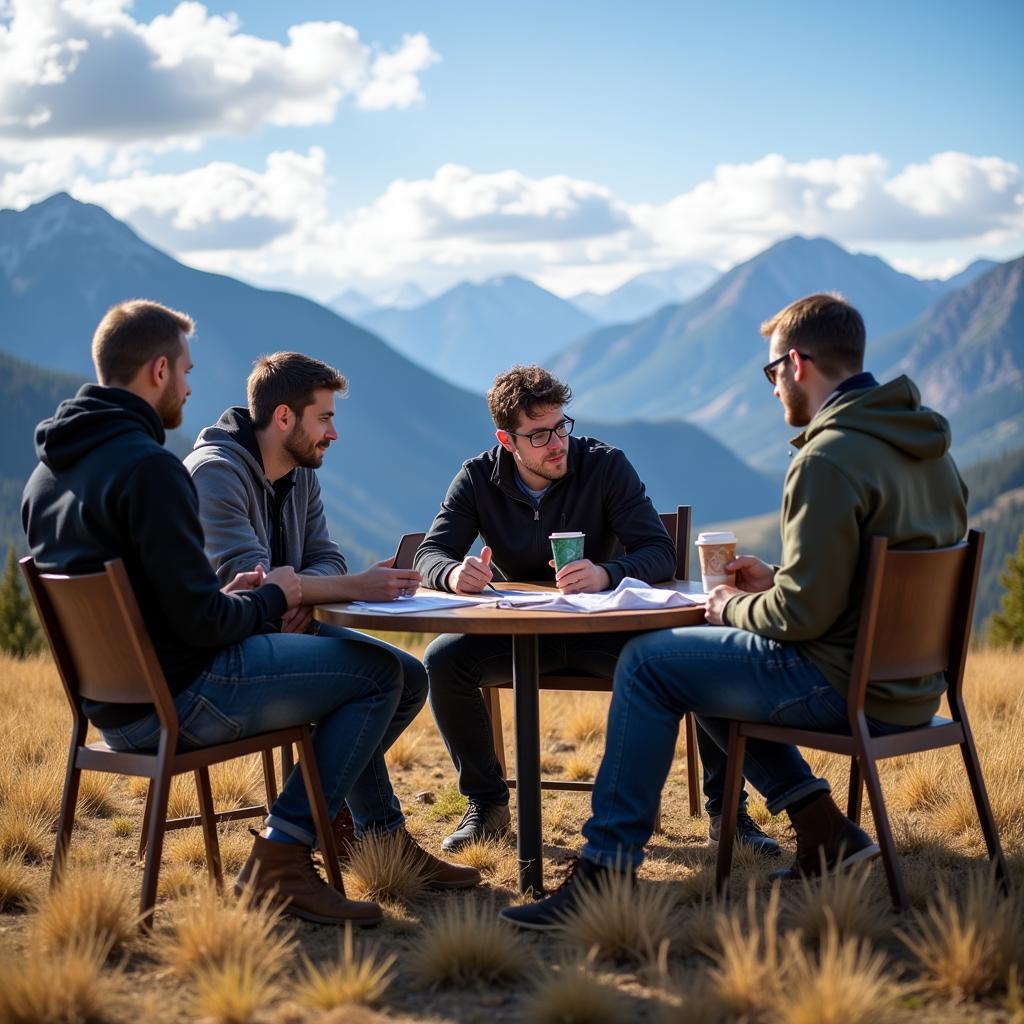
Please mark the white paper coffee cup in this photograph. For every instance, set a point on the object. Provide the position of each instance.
(716, 548)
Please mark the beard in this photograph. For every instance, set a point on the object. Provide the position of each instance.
(303, 451)
(795, 404)
(549, 471)
(169, 408)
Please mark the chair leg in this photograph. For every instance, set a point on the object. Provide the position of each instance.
(287, 763)
(318, 807)
(144, 836)
(981, 802)
(897, 890)
(730, 805)
(269, 777)
(209, 819)
(492, 701)
(66, 822)
(692, 765)
(853, 804)
(156, 816)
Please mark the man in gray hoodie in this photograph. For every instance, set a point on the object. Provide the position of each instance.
(260, 505)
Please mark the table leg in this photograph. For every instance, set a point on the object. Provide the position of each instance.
(525, 685)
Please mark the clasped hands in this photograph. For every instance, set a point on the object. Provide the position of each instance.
(579, 577)
(752, 576)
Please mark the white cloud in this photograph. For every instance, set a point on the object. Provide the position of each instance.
(85, 69)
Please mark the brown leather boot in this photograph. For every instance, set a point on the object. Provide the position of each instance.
(439, 874)
(286, 872)
(822, 826)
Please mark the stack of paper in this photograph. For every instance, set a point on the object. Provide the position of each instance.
(629, 595)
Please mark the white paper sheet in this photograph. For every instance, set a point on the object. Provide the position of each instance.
(629, 595)
(405, 605)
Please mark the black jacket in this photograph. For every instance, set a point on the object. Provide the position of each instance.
(106, 488)
(600, 494)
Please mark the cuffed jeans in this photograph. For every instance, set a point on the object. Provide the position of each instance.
(720, 674)
(458, 666)
(349, 687)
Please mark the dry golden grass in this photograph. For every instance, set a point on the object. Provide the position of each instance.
(209, 929)
(581, 765)
(571, 994)
(90, 901)
(71, 985)
(817, 960)
(621, 919)
(383, 867)
(466, 943)
(586, 719)
(348, 980)
(404, 753)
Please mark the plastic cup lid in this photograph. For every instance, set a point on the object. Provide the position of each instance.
(722, 537)
(564, 536)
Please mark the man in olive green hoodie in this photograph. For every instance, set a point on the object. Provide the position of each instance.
(871, 460)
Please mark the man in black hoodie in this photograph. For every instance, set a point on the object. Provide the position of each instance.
(106, 488)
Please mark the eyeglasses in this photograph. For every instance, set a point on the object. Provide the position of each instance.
(542, 438)
(772, 369)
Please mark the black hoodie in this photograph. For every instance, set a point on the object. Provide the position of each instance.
(106, 488)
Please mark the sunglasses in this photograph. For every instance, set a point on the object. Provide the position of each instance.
(771, 369)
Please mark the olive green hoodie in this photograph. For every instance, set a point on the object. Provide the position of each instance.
(875, 462)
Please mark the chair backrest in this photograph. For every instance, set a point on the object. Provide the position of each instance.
(407, 547)
(99, 641)
(916, 616)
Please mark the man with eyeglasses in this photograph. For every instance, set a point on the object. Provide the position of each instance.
(536, 481)
(778, 647)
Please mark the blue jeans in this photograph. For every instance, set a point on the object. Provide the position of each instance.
(720, 674)
(348, 688)
(458, 666)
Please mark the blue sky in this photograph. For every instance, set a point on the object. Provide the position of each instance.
(574, 142)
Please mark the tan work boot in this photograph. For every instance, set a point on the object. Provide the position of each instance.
(437, 873)
(285, 871)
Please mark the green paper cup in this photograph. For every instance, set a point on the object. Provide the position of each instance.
(566, 548)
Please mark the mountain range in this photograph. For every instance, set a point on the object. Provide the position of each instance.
(403, 432)
(642, 295)
(473, 331)
(701, 360)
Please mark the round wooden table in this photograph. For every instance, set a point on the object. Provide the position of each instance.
(524, 627)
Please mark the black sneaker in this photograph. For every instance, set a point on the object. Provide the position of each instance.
(825, 838)
(550, 913)
(481, 821)
(748, 834)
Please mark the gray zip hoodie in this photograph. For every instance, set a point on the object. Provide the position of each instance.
(247, 520)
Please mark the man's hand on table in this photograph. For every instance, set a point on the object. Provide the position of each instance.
(581, 577)
(245, 581)
(382, 583)
(718, 597)
(472, 574)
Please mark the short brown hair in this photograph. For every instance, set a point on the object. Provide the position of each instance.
(287, 378)
(133, 333)
(524, 388)
(827, 328)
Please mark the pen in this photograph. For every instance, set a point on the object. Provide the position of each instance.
(491, 586)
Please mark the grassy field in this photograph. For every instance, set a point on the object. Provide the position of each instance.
(664, 951)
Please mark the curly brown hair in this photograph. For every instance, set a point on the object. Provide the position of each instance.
(524, 389)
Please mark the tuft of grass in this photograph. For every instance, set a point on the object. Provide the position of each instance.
(465, 943)
(404, 753)
(849, 902)
(581, 765)
(567, 813)
(572, 995)
(383, 867)
(177, 880)
(25, 833)
(483, 854)
(121, 826)
(182, 800)
(185, 846)
(967, 947)
(17, 886)
(450, 804)
(622, 920)
(98, 795)
(585, 722)
(210, 930)
(70, 985)
(237, 783)
(89, 902)
(236, 990)
(349, 980)
(843, 983)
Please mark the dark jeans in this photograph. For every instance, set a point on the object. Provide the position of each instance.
(720, 674)
(358, 693)
(458, 666)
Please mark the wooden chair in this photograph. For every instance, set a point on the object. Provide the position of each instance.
(104, 653)
(915, 621)
(677, 524)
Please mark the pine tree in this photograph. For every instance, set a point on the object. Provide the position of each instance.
(19, 630)
(1006, 627)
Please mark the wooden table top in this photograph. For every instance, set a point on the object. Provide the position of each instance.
(508, 621)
